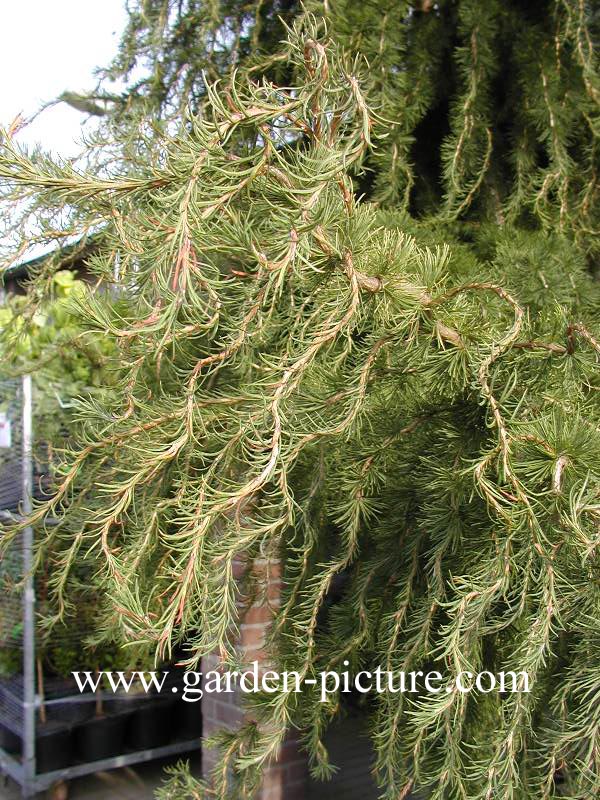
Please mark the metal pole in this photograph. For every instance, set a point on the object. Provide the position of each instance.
(28, 600)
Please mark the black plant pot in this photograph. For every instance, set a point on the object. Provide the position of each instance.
(53, 746)
(100, 737)
(150, 725)
(123, 703)
(60, 687)
(9, 741)
(71, 711)
(187, 720)
(64, 701)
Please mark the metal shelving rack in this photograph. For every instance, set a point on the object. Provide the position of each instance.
(20, 701)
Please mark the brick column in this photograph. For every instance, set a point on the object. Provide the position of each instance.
(286, 778)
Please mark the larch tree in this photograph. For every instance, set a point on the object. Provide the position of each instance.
(346, 254)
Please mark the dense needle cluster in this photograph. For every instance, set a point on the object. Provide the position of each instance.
(397, 389)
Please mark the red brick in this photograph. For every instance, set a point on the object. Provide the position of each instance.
(253, 636)
(258, 614)
(229, 714)
(286, 778)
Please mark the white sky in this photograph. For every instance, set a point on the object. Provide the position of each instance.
(46, 47)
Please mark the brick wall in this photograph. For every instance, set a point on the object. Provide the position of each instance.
(286, 779)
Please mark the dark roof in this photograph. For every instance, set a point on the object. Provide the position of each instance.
(71, 254)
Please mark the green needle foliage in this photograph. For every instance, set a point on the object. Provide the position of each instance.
(400, 389)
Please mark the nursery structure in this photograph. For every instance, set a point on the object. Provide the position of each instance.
(49, 730)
